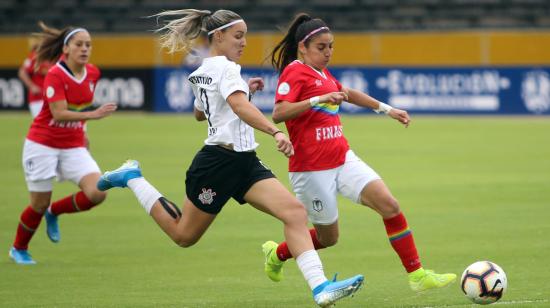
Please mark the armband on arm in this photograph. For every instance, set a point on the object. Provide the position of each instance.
(385, 108)
(314, 101)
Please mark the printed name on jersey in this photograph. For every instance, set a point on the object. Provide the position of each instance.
(200, 79)
(66, 124)
(284, 88)
(330, 132)
(50, 92)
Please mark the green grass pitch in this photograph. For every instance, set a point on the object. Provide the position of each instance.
(472, 188)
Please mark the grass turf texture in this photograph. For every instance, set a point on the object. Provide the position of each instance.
(472, 188)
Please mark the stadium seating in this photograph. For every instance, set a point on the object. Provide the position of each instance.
(20, 16)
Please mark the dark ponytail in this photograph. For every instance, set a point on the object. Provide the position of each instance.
(51, 43)
(287, 50)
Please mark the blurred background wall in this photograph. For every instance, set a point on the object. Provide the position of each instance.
(393, 34)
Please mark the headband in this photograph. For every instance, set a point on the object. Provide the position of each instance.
(226, 25)
(314, 32)
(75, 31)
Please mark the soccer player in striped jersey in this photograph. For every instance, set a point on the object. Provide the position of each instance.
(55, 144)
(227, 166)
(307, 100)
(33, 76)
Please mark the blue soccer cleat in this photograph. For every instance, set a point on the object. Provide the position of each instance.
(326, 294)
(52, 227)
(21, 256)
(119, 177)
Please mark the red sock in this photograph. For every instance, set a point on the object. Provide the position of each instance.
(74, 203)
(284, 254)
(30, 220)
(402, 242)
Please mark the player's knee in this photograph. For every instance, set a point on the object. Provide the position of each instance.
(390, 207)
(40, 206)
(296, 215)
(97, 196)
(185, 241)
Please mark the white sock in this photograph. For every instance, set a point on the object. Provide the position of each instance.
(312, 268)
(146, 194)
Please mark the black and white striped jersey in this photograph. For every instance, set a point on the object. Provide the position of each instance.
(212, 83)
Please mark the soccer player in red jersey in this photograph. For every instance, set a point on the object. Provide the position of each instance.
(307, 100)
(32, 77)
(55, 144)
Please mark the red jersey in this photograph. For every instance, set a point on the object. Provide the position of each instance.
(316, 134)
(61, 85)
(37, 75)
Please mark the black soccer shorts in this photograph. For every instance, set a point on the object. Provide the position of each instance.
(217, 174)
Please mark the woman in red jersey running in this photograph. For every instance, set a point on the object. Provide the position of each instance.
(33, 76)
(55, 144)
(307, 100)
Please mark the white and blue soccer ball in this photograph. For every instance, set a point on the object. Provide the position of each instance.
(484, 282)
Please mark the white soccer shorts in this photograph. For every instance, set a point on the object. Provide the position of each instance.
(42, 164)
(317, 190)
(35, 107)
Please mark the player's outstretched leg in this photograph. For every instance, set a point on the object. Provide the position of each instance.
(273, 266)
(423, 280)
(21, 256)
(52, 227)
(119, 177)
(329, 292)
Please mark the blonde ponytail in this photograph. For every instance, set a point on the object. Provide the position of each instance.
(178, 34)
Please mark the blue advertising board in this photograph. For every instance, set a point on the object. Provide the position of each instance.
(475, 90)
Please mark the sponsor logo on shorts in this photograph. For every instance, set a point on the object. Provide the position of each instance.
(29, 165)
(317, 205)
(207, 196)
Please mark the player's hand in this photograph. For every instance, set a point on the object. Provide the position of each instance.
(334, 98)
(255, 83)
(104, 110)
(400, 115)
(35, 89)
(283, 144)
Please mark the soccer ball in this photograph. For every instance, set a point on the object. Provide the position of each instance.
(484, 282)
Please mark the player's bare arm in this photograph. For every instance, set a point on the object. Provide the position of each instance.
(253, 117)
(61, 112)
(364, 100)
(283, 111)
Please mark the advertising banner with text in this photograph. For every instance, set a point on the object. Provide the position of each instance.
(476, 90)
(131, 89)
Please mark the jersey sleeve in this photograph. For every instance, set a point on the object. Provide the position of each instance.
(198, 105)
(289, 86)
(231, 81)
(53, 89)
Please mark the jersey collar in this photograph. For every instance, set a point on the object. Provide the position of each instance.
(71, 75)
(322, 74)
